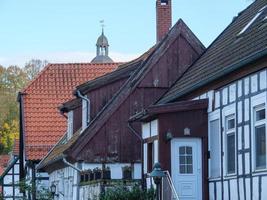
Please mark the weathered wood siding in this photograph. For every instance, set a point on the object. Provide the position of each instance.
(115, 142)
(176, 60)
(98, 98)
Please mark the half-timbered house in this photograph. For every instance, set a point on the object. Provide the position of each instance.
(100, 136)
(209, 129)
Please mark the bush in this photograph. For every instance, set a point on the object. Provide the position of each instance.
(123, 193)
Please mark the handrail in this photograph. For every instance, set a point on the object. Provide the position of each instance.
(171, 184)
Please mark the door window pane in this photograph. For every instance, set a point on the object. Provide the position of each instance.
(260, 139)
(185, 160)
(230, 153)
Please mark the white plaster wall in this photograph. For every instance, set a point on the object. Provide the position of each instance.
(242, 94)
(64, 181)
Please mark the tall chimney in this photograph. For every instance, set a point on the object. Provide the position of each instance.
(164, 17)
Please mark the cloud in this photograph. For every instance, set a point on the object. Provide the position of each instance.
(62, 57)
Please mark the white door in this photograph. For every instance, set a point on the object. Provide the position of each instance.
(186, 166)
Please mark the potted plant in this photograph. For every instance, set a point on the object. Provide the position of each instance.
(86, 176)
(82, 177)
(91, 175)
(97, 173)
(127, 172)
(106, 174)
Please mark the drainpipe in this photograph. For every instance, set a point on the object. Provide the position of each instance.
(21, 137)
(33, 181)
(77, 180)
(79, 95)
(142, 153)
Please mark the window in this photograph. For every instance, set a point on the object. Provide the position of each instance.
(150, 156)
(230, 144)
(185, 160)
(215, 148)
(260, 137)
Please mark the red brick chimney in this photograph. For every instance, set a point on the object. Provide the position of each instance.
(164, 17)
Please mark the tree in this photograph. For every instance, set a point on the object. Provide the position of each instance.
(33, 67)
(12, 80)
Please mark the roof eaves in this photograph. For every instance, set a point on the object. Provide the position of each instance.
(39, 166)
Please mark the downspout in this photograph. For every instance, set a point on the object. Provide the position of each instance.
(142, 153)
(79, 94)
(33, 181)
(79, 171)
(21, 141)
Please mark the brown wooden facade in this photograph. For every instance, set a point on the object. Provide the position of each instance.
(112, 140)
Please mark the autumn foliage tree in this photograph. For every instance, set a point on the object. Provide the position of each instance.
(12, 80)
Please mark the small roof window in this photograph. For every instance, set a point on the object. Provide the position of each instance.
(253, 20)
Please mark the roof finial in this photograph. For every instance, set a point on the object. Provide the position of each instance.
(102, 23)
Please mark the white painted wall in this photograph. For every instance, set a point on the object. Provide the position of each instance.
(240, 98)
(67, 179)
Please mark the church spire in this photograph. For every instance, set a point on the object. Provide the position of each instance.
(102, 48)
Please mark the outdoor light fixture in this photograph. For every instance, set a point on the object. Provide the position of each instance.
(169, 136)
(53, 189)
(157, 174)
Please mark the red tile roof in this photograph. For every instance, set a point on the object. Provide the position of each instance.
(43, 124)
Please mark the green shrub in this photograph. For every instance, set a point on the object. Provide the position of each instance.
(124, 193)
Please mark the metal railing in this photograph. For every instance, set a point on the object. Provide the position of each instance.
(168, 189)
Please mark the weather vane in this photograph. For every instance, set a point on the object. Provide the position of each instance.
(102, 23)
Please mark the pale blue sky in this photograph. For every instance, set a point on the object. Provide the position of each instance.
(66, 30)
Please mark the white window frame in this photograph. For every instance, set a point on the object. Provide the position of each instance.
(70, 125)
(258, 102)
(228, 112)
(228, 132)
(213, 117)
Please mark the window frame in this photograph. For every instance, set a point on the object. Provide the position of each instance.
(230, 132)
(257, 102)
(215, 115)
(257, 124)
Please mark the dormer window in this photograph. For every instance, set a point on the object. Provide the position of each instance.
(85, 113)
(70, 125)
(260, 12)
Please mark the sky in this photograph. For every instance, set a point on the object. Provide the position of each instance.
(67, 30)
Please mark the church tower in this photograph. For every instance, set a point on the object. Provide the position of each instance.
(102, 47)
